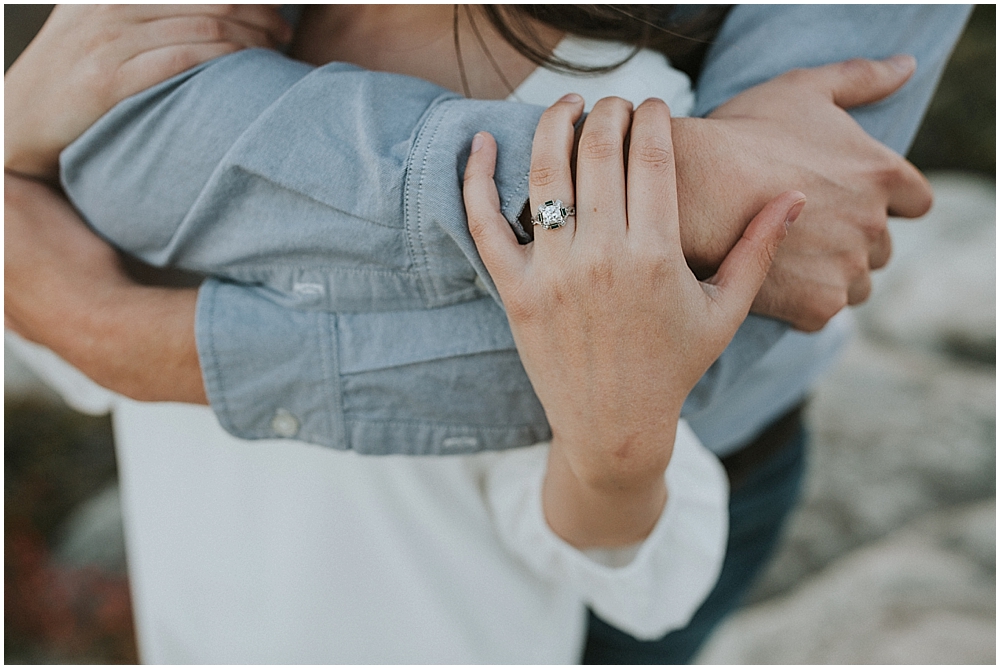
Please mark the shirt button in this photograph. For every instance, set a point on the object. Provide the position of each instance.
(284, 423)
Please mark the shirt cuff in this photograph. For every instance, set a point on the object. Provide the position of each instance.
(252, 350)
(673, 570)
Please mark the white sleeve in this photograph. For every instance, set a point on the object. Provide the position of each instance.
(76, 389)
(672, 571)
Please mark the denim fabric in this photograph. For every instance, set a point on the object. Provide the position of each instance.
(325, 203)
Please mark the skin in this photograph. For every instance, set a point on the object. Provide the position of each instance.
(86, 58)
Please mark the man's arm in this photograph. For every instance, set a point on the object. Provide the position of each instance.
(757, 43)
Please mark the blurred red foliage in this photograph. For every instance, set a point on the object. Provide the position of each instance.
(54, 613)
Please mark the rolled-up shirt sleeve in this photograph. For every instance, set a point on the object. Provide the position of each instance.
(324, 203)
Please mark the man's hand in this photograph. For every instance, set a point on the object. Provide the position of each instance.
(87, 58)
(793, 132)
(66, 289)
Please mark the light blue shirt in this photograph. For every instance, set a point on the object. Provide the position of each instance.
(347, 305)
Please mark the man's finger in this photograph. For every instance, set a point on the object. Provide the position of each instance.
(859, 81)
(880, 251)
(910, 196)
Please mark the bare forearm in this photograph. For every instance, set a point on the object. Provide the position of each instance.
(715, 198)
(139, 342)
(66, 289)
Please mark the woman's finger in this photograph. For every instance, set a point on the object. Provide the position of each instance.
(743, 271)
(503, 256)
(600, 172)
(550, 181)
(652, 182)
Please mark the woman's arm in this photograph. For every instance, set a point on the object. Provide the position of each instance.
(613, 327)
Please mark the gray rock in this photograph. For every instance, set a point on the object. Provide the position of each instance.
(896, 433)
(923, 595)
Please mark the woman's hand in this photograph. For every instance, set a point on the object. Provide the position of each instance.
(66, 289)
(87, 58)
(612, 327)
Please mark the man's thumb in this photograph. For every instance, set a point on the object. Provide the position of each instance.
(860, 82)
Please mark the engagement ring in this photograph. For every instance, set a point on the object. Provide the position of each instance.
(553, 214)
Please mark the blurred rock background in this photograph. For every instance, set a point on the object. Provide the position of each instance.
(890, 557)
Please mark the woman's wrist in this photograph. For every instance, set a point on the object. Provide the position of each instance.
(596, 506)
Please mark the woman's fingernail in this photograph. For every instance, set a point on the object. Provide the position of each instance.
(903, 63)
(794, 212)
(477, 142)
(571, 97)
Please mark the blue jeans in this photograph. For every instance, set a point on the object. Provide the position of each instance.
(757, 511)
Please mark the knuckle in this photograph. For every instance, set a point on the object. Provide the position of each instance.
(100, 76)
(857, 264)
(823, 309)
(543, 175)
(656, 105)
(810, 324)
(519, 309)
(654, 153)
(833, 305)
(860, 70)
(798, 76)
(874, 227)
(860, 292)
(182, 60)
(765, 259)
(613, 104)
(599, 272)
(890, 170)
(600, 145)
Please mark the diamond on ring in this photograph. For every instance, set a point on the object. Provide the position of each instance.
(553, 214)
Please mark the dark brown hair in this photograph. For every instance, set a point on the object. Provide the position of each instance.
(679, 33)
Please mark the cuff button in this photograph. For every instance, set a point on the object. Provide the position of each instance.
(284, 423)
